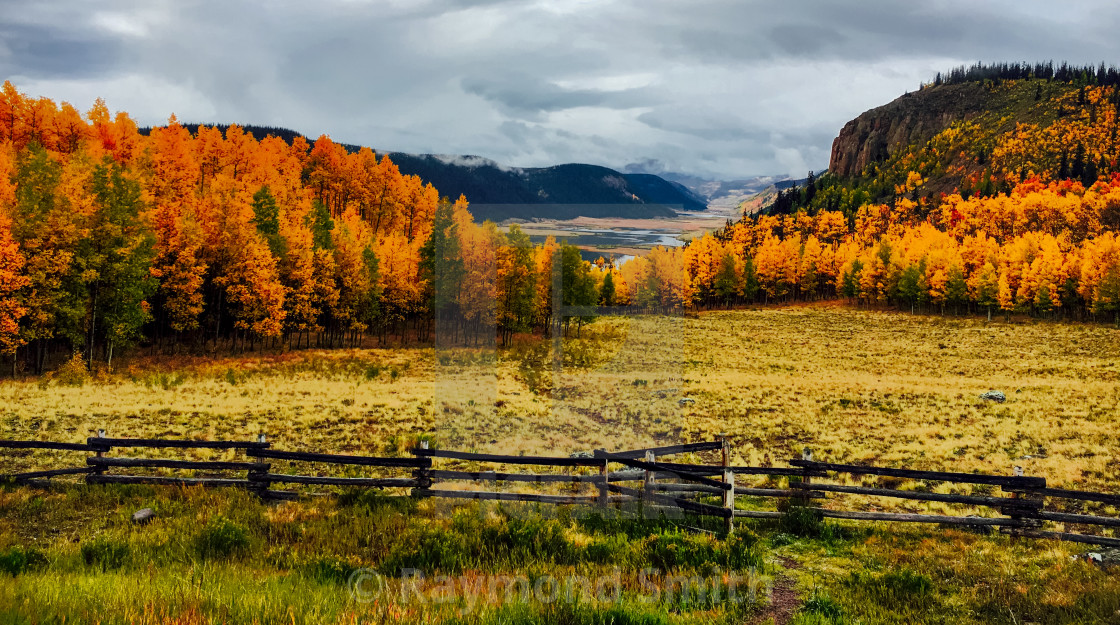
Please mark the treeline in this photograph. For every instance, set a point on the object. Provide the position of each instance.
(983, 72)
(287, 134)
(1044, 249)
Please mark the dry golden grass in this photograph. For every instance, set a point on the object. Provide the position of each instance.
(862, 386)
(903, 390)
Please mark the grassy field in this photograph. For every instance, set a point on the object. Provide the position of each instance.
(864, 386)
(851, 385)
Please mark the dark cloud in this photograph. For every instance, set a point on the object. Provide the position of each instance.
(726, 88)
(530, 95)
(42, 51)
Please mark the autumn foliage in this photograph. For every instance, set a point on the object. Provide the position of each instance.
(110, 237)
(989, 214)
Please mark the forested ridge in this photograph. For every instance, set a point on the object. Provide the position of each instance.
(1014, 210)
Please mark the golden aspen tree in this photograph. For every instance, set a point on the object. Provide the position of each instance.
(11, 105)
(12, 281)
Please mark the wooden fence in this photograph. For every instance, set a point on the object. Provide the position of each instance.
(642, 481)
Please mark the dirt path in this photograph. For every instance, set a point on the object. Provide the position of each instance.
(784, 600)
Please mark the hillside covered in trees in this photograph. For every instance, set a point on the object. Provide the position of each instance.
(991, 188)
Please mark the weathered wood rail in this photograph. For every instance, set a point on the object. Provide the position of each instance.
(702, 489)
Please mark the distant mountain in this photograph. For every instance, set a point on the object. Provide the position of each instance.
(498, 193)
(566, 191)
(713, 192)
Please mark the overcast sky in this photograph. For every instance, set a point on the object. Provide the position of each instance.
(719, 89)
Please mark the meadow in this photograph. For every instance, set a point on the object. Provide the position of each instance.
(852, 385)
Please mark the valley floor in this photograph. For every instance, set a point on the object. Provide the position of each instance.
(852, 385)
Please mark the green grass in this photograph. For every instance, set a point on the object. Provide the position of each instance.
(222, 556)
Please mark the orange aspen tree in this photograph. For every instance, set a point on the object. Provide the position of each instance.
(12, 281)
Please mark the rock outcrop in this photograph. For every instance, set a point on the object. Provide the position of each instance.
(911, 119)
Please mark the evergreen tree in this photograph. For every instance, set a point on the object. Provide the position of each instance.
(266, 216)
(987, 293)
(750, 280)
(1077, 169)
(606, 293)
(369, 307)
(956, 288)
(909, 287)
(516, 282)
(851, 279)
(321, 224)
(726, 282)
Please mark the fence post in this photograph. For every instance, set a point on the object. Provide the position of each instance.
(647, 484)
(423, 475)
(806, 476)
(1027, 514)
(603, 474)
(729, 479)
(98, 469)
(258, 480)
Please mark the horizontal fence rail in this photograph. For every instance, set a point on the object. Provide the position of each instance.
(157, 463)
(368, 461)
(655, 485)
(671, 449)
(539, 460)
(48, 445)
(960, 478)
(95, 441)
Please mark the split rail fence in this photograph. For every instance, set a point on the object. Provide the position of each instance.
(641, 480)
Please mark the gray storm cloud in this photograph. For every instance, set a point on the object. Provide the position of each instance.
(717, 89)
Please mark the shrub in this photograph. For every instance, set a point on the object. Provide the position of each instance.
(823, 605)
(431, 549)
(105, 553)
(534, 365)
(20, 560)
(671, 550)
(741, 551)
(372, 371)
(331, 569)
(375, 501)
(74, 372)
(530, 538)
(164, 380)
(800, 520)
(613, 549)
(902, 587)
(231, 377)
(221, 538)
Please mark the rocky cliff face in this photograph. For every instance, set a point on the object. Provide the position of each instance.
(913, 118)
